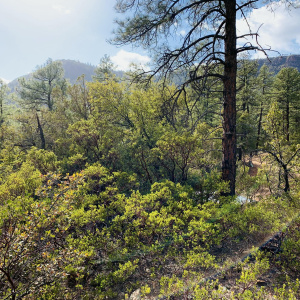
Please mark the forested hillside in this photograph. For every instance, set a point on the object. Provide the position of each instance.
(110, 187)
(275, 64)
(73, 69)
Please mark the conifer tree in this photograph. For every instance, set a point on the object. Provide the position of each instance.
(287, 94)
(265, 82)
(208, 37)
(37, 91)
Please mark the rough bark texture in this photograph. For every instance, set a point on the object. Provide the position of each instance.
(286, 179)
(42, 136)
(229, 109)
(287, 120)
(259, 125)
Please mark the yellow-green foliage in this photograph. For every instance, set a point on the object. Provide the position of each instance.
(245, 287)
(289, 257)
(42, 160)
(93, 233)
(127, 193)
(257, 218)
(20, 183)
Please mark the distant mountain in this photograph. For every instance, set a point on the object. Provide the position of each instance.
(73, 69)
(277, 63)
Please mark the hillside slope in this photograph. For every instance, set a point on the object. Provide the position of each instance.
(277, 63)
(73, 69)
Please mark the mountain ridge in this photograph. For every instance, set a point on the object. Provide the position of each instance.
(73, 69)
(277, 63)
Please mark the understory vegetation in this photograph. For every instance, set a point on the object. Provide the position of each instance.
(110, 187)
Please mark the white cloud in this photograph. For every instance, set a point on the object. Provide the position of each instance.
(124, 59)
(61, 9)
(278, 29)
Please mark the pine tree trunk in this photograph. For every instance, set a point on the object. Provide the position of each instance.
(287, 120)
(259, 125)
(1, 112)
(286, 179)
(42, 136)
(229, 109)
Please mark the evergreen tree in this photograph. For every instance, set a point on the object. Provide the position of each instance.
(104, 70)
(37, 91)
(287, 94)
(154, 22)
(280, 149)
(246, 104)
(265, 82)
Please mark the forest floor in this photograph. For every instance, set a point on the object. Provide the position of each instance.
(269, 243)
(233, 254)
(255, 163)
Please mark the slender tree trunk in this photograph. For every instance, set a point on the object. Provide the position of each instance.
(145, 167)
(229, 109)
(49, 102)
(287, 120)
(286, 179)
(259, 125)
(49, 98)
(42, 136)
(1, 112)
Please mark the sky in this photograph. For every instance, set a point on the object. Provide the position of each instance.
(31, 31)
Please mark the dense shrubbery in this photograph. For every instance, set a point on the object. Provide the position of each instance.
(118, 187)
(88, 236)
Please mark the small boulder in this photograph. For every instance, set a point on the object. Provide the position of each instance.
(136, 295)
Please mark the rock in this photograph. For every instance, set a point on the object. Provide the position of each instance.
(136, 295)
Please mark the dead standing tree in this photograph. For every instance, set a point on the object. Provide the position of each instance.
(207, 38)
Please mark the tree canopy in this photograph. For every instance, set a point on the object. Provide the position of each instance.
(38, 90)
(205, 36)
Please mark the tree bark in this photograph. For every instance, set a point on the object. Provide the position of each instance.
(288, 119)
(286, 178)
(42, 136)
(1, 112)
(229, 106)
(259, 125)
